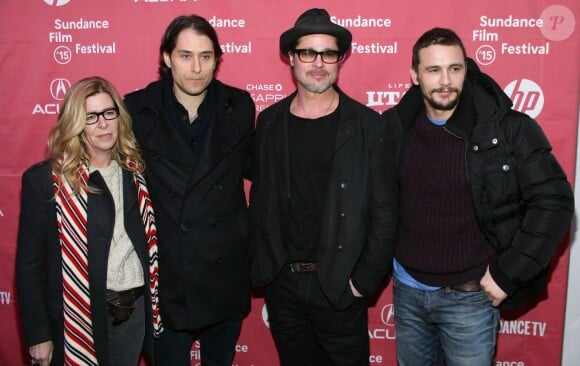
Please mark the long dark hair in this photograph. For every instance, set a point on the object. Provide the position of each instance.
(169, 40)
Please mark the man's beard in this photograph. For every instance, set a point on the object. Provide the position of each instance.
(448, 105)
(315, 88)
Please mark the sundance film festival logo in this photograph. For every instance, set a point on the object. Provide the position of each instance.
(56, 2)
(527, 96)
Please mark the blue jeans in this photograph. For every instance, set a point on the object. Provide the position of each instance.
(455, 326)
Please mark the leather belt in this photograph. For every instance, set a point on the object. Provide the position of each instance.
(120, 304)
(470, 286)
(299, 267)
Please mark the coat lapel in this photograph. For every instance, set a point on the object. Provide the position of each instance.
(224, 133)
(282, 160)
(171, 145)
(132, 215)
(346, 124)
(129, 193)
(160, 136)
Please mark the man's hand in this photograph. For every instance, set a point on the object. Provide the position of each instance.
(41, 354)
(493, 292)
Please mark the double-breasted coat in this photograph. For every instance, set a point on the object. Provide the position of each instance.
(200, 205)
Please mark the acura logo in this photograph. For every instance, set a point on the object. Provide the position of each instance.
(265, 316)
(58, 88)
(388, 315)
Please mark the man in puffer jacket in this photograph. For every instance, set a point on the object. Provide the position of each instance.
(484, 205)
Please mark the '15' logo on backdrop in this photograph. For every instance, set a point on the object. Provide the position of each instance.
(527, 96)
(56, 2)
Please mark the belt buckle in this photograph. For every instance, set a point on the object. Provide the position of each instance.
(301, 267)
(295, 267)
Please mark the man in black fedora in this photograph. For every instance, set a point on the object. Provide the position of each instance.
(324, 205)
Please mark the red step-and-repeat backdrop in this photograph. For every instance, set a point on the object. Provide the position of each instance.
(531, 47)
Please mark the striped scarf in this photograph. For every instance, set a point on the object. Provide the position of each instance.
(71, 214)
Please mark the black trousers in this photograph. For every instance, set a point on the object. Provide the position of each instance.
(308, 331)
(217, 345)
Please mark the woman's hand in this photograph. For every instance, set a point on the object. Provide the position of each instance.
(41, 354)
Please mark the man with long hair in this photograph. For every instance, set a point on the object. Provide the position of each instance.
(197, 139)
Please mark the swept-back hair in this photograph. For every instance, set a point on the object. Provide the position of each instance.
(169, 40)
(66, 147)
(442, 36)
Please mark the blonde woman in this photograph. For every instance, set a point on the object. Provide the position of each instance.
(86, 263)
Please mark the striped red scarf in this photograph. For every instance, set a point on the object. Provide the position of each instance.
(71, 213)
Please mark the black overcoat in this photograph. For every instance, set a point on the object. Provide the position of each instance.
(200, 206)
(39, 260)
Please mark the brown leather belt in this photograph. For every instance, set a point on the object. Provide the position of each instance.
(299, 267)
(470, 286)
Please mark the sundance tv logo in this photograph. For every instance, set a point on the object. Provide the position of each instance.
(56, 2)
(5, 297)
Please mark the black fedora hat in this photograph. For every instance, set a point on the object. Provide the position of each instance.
(315, 21)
